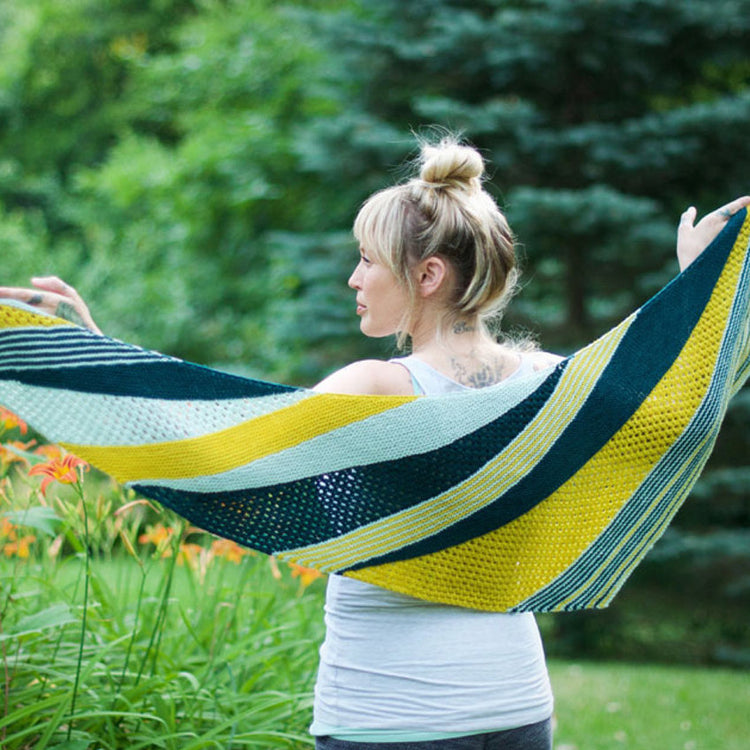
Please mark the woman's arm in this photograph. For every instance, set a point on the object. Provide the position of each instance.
(52, 295)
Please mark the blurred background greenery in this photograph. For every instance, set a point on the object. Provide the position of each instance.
(194, 166)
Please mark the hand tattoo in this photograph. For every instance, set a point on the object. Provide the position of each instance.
(36, 299)
(66, 311)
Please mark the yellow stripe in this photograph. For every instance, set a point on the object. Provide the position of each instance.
(15, 317)
(635, 555)
(483, 487)
(237, 445)
(667, 515)
(506, 565)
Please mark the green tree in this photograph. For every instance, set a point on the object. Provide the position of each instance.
(602, 122)
(66, 70)
(150, 146)
(62, 79)
(194, 166)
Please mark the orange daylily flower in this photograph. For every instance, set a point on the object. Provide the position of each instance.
(160, 536)
(189, 554)
(229, 550)
(8, 457)
(156, 535)
(6, 527)
(306, 575)
(50, 451)
(15, 545)
(19, 547)
(59, 470)
(8, 420)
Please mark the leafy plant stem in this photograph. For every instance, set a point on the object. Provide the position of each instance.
(133, 635)
(87, 559)
(6, 685)
(161, 614)
(159, 627)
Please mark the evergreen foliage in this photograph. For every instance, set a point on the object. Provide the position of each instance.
(603, 122)
(193, 166)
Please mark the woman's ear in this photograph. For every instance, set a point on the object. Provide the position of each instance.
(431, 275)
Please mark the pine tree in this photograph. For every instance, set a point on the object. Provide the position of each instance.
(602, 121)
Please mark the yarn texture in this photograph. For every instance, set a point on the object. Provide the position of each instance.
(541, 494)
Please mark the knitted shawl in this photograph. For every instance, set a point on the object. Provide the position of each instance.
(540, 494)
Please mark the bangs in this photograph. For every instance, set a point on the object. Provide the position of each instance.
(379, 227)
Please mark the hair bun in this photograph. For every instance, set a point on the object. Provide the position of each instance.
(449, 163)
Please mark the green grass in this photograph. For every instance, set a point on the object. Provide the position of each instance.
(226, 659)
(606, 706)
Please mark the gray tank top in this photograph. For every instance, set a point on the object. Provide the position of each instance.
(427, 380)
(395, 668)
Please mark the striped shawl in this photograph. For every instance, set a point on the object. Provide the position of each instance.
(539, 494)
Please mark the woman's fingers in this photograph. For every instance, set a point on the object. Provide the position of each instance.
(688, 216)
(730, 209)
(53, 283)
(48, 292)
(685, 230)
(29, 296)
(687, 219)
(56, 285)
(46, 301)
(723, 213)
(710, 225)
(52, 295)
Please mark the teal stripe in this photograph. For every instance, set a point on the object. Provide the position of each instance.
(101, 419)
(592, 585)
(431, 423)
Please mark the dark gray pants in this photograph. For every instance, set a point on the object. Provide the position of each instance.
(531, 737)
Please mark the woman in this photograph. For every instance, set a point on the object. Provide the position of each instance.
(436, 263)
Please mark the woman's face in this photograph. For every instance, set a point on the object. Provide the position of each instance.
(382, 299)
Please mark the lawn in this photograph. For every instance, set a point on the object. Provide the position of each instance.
(644, 707)
(224, 656)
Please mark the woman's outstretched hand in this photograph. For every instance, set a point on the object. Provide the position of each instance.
(693, 239)
(53, 295)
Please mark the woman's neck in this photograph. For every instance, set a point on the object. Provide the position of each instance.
(466, 353)
(463, 337)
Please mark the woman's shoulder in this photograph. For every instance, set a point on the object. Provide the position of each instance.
(369, 376)
(378, 377)
(542, 360)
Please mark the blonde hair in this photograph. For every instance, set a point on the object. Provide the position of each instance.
(444, 212)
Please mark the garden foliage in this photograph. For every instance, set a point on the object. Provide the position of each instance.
(193, 167)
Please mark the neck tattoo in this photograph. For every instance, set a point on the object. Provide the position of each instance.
(463, 327)
(484, 374)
